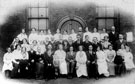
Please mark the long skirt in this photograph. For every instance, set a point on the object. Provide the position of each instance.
(63, 67)
(102, 68)
(111, 68)
(81, 70)
(7, 67)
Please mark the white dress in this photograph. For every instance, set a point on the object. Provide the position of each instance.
(102, 64)
(7, 59)
(60, 56)
(81, 64)
(32, 37)
(102, 35)
(22, 36)
(96, 35)
(65, 37)
(57, 36)
(74, 38)
(89, 34)
(128, 58)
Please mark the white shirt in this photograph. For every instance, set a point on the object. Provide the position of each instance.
(96, 35)
(57, 36)
(102, 35)
(89, 34)
(22, 36)
(65, 37)
(32, 37)
(74, 38)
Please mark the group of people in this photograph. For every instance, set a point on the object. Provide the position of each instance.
(83, 54)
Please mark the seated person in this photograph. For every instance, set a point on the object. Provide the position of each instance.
(81, 59)
(59, 60)
(70, 58)
(8, 66)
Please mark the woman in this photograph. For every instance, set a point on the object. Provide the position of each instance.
(7, 59)
(81, 59)
(103, 34)
(70, 61)
(33, 36)
(24, 62)
(15, 43)
(101, 62)
(49, 69)
(25, 44)
(128, 59)
(96, 34)
(65, 45)
(110, 60)
(42, 47)
(73, 35)
(119, 60)
(17, 56)
(59, 60)
(22, 35)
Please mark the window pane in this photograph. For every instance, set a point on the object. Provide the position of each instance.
(34, 4)
(42, 24)
(43, 3)
(110, 12)
(101, 24)
(34, 23)
(34, 12)
(101, 12)
(109, 23)
(43, 12)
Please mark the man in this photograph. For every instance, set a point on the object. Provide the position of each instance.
(113, 36)
(87, 33)
(91, 63)
(77, 43)
(86, 43)
(120, 41)
(80, 32)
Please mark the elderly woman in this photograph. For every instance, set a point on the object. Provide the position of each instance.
(59, 60)
(70, 61)
(7, 59)
(81, 59)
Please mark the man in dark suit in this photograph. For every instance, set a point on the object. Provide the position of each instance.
(86, 43)
(113, 36)
(120, 42)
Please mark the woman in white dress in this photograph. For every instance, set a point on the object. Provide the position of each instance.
(65, 35)
(33, 36)
(22, 35)
(110, 60)
(128, 59)
(7, 59)
(87, 33)
(49, 34)
(57, 35)
(101, 62)
(59, 60)
(73, 35)
(103, 34)
(96, 34)
(81, 59)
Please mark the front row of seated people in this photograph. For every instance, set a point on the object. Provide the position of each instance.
(52, 64)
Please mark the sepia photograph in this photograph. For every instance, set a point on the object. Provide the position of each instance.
(67, 41)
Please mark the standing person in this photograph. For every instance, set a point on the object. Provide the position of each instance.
(96, 34)
(25, 44)
(113, 36)
(95, 44)
(103, 34)
(81, 59)
(22, 35)
(120, 41)
(81, 33)
(40, 36)
(110, 60)
(65, 35)
(49, 34)
(57, 35)
(128, 59)
(86, 43)
(8, 66)
(73, 35)
(92, 63)
(59, 60)
(48, 57)
(70, 58)
(33, 36)
(119, 60)
(77, 43)
(39, 64)
(101, 62)
(70, 41)
(88, 33)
